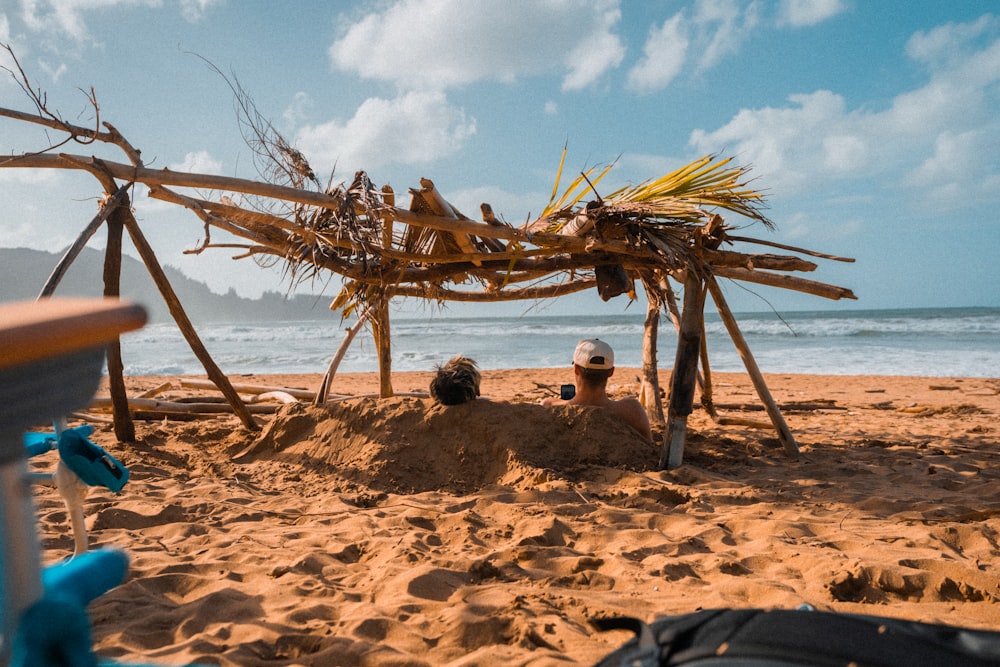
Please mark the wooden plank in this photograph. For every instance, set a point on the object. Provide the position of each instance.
(35, 330)
(183, 407)
(302, 394)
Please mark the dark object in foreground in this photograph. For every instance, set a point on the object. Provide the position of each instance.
(789, 638)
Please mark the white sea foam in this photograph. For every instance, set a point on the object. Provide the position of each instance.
(925, 342)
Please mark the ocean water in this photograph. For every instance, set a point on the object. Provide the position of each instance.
(917, 342)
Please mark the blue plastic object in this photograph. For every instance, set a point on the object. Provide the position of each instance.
(55, 631)
(39, 443)
(91, 462)
(86, 577)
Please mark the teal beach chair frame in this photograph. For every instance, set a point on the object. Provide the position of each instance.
(51, 363)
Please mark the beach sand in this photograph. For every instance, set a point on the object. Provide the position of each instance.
(395, 532)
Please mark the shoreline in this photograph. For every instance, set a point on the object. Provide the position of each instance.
(534, 384)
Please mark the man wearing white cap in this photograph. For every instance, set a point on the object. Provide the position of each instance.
(593, 364)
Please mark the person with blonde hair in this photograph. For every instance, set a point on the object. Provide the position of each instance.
(593, 364)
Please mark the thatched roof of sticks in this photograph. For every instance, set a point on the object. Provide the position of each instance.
(433, 251)
(672, 227)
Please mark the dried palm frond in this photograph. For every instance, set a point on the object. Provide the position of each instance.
(664, 214)
(685, 195)
(558, 210)
(348, 234)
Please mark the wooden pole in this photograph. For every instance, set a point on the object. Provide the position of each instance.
(331, 370)
(389, 198)
(383, 344)
(784, 433)
(675, 318)
(513, 294)
(795, 283)
(123, 424)
(184, 324)
(81, 241)
(685, 373)
(707, 401)
(650, 371)
(706, 374)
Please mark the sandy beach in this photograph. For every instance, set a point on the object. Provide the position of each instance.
(395, 532)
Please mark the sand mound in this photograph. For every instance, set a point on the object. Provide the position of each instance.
(410, 445)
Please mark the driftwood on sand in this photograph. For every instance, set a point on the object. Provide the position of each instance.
(664, 232)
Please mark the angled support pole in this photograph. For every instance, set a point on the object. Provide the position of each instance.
(784, 433)
(331, 370)
(81, 240)
(180, 317)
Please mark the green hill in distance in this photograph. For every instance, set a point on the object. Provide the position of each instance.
(23, 273)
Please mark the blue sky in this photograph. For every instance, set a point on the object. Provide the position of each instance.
(872, 125)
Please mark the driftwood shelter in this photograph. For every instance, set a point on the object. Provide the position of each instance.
(665, 232)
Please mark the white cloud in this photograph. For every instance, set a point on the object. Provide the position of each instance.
(723, 26)
(844, 153)
(512, 207)
(437, 44)
(954, 156)
(194, 10)
(550, 108)
(596, 53)
(412, 129)
(948, 128)
(46, 177)
(785, 145)
(66, 17)
(5, 59)
(960, 164)
(54, 72)
(27, 235)
(198, 162)
(804, 13)
(945, 43)
(715, 29)
(663, 57)
(814, 223)
(939, 104)
(298, 110)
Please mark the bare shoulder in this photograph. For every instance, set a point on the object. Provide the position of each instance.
(629, 403)
(631, 410)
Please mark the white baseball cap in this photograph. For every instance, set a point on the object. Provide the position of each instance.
(594, 353)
